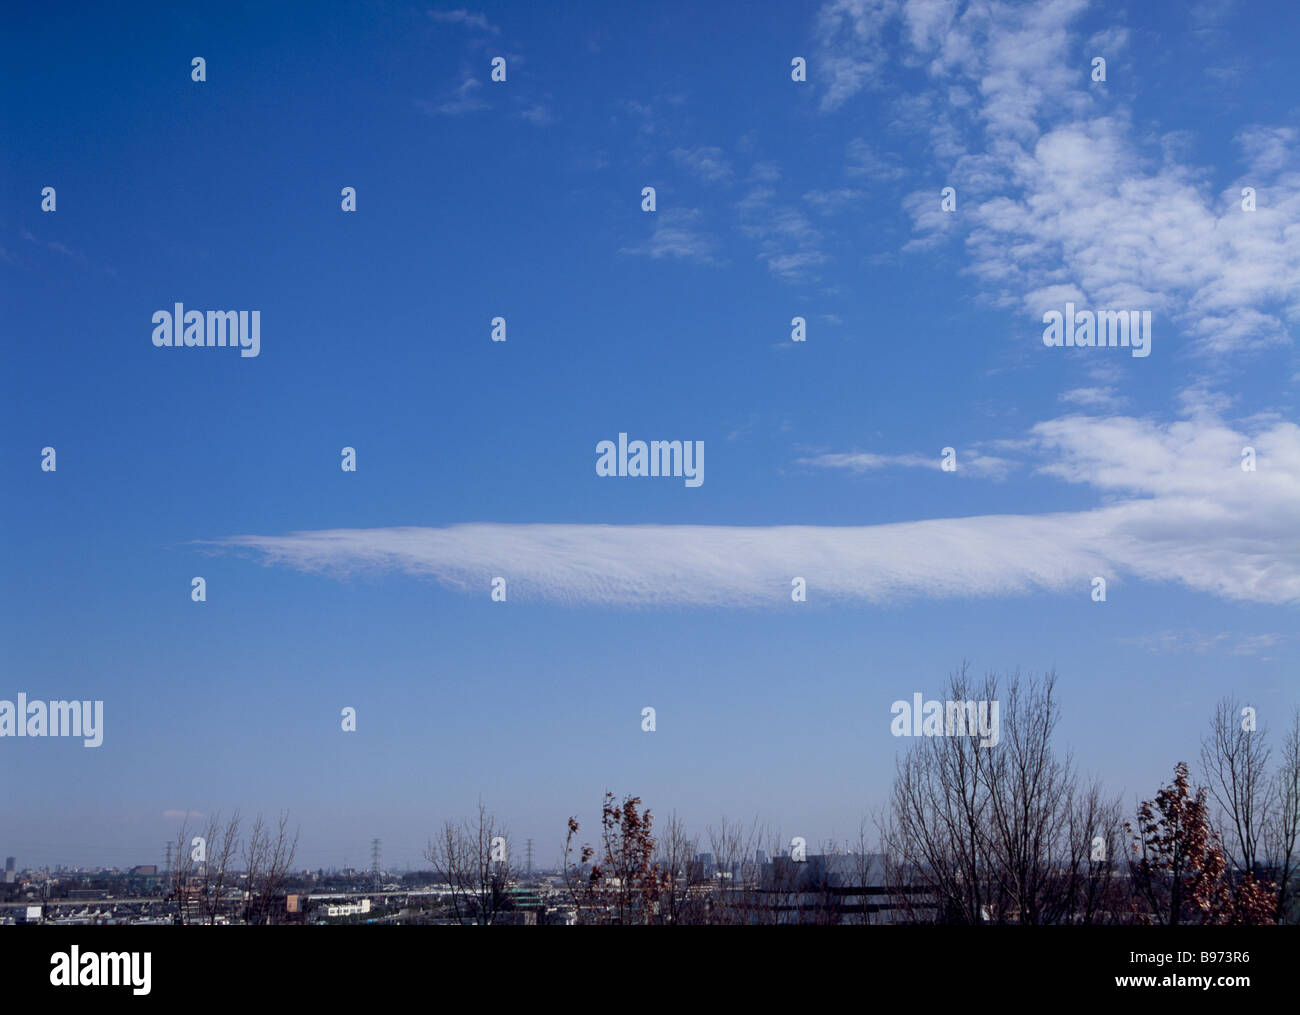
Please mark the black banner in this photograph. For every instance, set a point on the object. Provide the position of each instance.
(929, 964)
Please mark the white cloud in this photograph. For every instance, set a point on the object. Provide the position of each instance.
(538, 114)
(676, 235)
(465, 99)
(1174, 506)
(851, 52)
(1107, 43)
(1199, 642)
(862, 160)
(861, 461)
(1058, 191)
(787, 239)
(464, 17)
(708, 164)
(1268, 150)
(1210, 14)
(828, 202)
(1094, 398)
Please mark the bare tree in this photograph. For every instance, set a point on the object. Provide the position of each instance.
(999, 828)
(256, 858)
(1090, 892)
(781, 898)
(821, 886)
(936, 829)
(1030, 790)
(474, 860)
(675, 852)
(1044, 822)
(221, 843)
(266, 863)
(181, 873)
(1234, 760)
(1258, 813)
(866, 870)
(1280, 832)
(736, 881)
(446, 854)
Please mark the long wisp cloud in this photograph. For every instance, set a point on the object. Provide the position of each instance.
(1178, 508)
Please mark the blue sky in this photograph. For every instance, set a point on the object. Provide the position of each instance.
(522, 199)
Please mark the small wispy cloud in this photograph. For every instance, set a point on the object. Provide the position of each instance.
(787, 240)
(740, 430)
(54, 245)
(538, 114)
(1201, 643)
(466, 98)
(466, 19)
(852, 53)
(1097, 397)
(865, 461)
(708, 164)
(1268, 150)
(675, 234)
(644, 112)
(865, 162)
(829, 202)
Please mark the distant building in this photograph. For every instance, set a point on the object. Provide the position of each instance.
(841, 888)
(145, 870)
(349, 909)
(704, 867)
